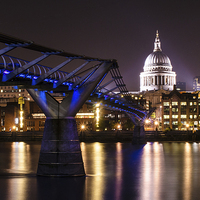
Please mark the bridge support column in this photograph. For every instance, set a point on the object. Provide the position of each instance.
(60, 153)
(139, 135)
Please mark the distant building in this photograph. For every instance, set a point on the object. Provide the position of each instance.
(29, 117)
(158, 72)
(181, 86)
(196, 83)
(180, 110)
(11, 94)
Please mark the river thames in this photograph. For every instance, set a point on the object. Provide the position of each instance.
(114, 171)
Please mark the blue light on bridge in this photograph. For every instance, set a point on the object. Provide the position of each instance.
(29, 76)
(22, 75)
(35, 77)
(6, 72)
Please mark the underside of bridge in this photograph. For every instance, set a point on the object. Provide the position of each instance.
(60, 153)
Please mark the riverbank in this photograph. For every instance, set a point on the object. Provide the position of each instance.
(108, 136)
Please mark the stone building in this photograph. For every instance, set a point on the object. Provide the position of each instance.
(180, 110)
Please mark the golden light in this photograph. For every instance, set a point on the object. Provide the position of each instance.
(21, 118)
(147, 121)
(82, 127)
(156, 123)
(97, 114)
(98, 104)
(187, 125)
(118, 126)
(14, 127)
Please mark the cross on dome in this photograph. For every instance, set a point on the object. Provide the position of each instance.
(157, 43)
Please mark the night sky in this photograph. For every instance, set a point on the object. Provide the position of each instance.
(123, 30)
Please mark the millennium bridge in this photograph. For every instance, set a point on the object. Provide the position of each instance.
(79, 79)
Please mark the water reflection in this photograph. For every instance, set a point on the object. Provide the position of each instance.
(118, 171)
(158, 171)
(98, 164)
(19, 162)
(152, 171)
(20, 153)
(187, 173)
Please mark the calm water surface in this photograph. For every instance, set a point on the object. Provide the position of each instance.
(115, 171)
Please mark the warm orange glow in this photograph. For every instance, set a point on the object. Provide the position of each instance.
(82, 126)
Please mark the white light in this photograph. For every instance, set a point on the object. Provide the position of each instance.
(16, 120)
(82, 127)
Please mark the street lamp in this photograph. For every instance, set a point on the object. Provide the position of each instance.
(147, 122)
(187, 126)
(156, 124)
(118, 126)
(82, 126)
(82, 130)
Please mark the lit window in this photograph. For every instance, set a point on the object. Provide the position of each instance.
(166, 122)
(195, 103)
(166, 116)
(191, 116)
(174, 109)
(195, 122)
(165, 103)
(175, 122)
(194, 97)
(184, 122)
(195, 116)
(183, 103)
(191, 103)
(175, 116)
(174, 103)
(183, 116)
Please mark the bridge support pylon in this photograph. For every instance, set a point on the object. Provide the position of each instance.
(60, 153)
(139, 135)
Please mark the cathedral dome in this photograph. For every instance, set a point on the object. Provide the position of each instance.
(157, 60)
(157, 72)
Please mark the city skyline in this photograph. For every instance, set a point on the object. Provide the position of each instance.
(112, 30)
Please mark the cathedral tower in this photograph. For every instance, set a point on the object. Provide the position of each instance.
(158, 72)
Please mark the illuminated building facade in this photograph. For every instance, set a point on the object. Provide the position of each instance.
(196, 83)
(180, 111)
(24, 115)
(158, 72)
(10, 94)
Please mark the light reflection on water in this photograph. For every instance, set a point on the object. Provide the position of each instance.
(20, 155)
(152, 171)
(116, 171)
